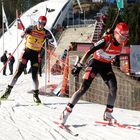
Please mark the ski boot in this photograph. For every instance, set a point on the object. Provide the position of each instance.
(7, 93)
(65, 114)
(35, 96)
(108, 116)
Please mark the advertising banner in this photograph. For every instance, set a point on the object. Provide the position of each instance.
(135, 59)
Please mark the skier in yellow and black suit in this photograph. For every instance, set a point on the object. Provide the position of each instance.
(35, 36)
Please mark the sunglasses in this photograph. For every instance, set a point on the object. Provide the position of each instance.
(42, 23)
(122, 37)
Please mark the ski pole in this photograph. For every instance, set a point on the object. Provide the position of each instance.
(115, 20)
(120, 6)
(46, 11)
(11, 55)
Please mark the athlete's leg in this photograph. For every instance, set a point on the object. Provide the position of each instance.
(35, 82)
(110, 80)
(112, 85)
(89, 75)
(34, 68)
(18, 72)
(81, 91)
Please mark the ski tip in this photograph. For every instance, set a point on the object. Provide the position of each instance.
(76, 135)
(64, 127)
(39, 103)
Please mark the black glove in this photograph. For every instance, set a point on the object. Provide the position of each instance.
(76, 69)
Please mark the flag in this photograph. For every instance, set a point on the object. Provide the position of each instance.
(4, 18)
(20, 25)
(78, 1)
(120, 4)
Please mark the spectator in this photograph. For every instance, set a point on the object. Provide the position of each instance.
(56, 68)
(11, 63)
(63, 56)
(4, 60)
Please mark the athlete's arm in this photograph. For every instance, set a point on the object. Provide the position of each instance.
(98, 45)
(27, 31)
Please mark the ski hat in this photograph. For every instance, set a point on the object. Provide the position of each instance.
(122, 29)
(42, 20)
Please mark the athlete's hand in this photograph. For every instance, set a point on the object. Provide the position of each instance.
(76, 69)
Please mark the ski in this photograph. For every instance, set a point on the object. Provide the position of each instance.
(46, 105)
(7, 100)
(117, 124)
(37, 104)
(66, 128)
(4, 100)
(27, 104)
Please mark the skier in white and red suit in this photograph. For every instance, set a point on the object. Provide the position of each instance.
(103, 52)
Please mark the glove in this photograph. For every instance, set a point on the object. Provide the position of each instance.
(23, 35)
(76, 69)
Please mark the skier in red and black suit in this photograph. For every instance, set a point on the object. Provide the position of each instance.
(103, 52)
(35, 36)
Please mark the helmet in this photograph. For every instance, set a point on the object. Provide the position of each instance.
(42, 19)
(121, 29)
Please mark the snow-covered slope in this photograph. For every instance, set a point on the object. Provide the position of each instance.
(21, 119)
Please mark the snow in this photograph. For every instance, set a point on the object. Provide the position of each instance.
(22, 119)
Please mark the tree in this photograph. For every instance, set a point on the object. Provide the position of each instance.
(131, 15)
(10, 7)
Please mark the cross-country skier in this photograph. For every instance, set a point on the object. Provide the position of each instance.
(35, 35)
(103, 52)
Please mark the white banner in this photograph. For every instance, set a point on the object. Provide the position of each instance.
(135, 59)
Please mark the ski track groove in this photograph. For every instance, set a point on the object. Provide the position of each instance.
(35, 115)
(28, 111)
(21, 128)
(14, 124)
(30, 105)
